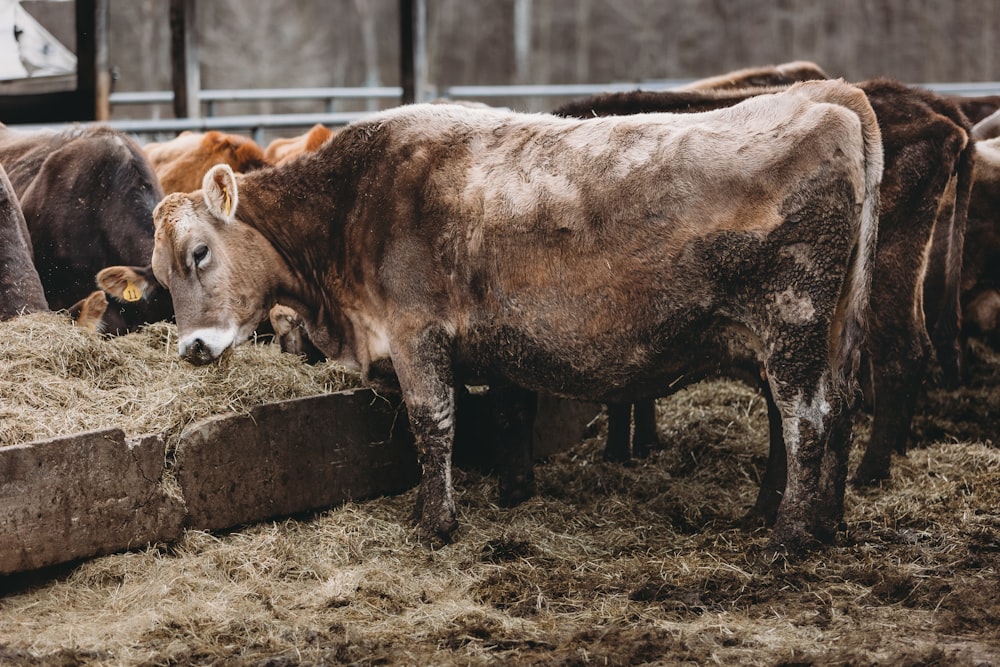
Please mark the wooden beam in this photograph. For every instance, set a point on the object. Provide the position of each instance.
(93, 78)
(185, 72)
(102, 60)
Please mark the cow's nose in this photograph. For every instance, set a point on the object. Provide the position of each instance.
(197, 352)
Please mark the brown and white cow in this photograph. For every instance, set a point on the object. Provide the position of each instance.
(20, 288)
(598, 259)
(928, 176)
(181, 162)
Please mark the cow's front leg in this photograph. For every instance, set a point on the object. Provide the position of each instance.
(423, 366)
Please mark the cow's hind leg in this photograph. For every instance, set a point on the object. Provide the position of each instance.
(816, 447)
(513, 411)
(772, 483)
(899, 358)
(616, 447)
(644, 436)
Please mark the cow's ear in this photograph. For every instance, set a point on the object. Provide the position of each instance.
(124, 283)
(219, 190)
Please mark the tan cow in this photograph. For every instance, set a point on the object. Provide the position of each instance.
(181, 163)
(282, 150)
(609, 260)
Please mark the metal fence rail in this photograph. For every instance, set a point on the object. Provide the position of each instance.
(256, 124)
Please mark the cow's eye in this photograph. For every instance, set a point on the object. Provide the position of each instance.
(199, 254)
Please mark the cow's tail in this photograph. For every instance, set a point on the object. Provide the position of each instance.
(846, 349)
(946, 335)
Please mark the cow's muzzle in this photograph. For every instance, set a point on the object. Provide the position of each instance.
(197, 352)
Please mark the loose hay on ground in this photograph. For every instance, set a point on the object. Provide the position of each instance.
(608, 564)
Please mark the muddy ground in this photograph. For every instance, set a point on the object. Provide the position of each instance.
(644, 564)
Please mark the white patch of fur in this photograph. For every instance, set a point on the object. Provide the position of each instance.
(216, 339)
(794, 308)
(813, 411)
(801, 254)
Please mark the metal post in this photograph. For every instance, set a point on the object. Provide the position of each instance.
(413, 50)
(185, 72)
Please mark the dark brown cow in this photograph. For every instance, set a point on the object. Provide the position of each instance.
(976, 107)
(928, 166)
(88, 195)
(181, 163)
(456, 242)
(20, 289)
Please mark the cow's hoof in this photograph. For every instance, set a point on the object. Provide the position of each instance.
(869, 475)
(512, 490)
(433, 533)
(789, 546)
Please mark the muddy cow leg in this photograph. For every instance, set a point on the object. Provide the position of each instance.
(644, 437)
(513, 411)
(426, 379)
(899, 363)
(616, 448)
(833, 476)
(809, 411)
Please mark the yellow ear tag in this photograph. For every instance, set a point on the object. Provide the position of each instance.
(131, 293)
(229, 203)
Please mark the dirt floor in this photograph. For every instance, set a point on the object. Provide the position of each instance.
(609, 564)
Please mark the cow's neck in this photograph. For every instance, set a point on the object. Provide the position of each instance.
(303, 231)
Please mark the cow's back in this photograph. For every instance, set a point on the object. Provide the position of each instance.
(673, 210)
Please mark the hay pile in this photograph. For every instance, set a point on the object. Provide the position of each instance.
(57, 379)
(649, 563)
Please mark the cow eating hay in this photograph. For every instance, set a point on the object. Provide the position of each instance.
(603, 260)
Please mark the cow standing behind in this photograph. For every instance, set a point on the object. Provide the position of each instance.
(598, 259)
(282, 150)
(181, 162)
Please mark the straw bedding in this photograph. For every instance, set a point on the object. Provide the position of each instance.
(649, 563)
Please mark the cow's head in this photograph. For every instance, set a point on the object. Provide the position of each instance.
(218, 270)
